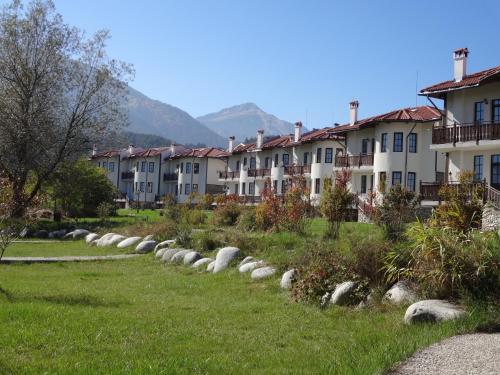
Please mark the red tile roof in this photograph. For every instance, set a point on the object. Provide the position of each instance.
(471, 80)
(243, 147)
(415, 114)
(319, 135)
(106, 154)
(150, 152)
(206, 152)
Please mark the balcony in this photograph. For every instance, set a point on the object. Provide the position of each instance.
(292, 170)
(353, 161)
(128, 175)
(465, 133)
(170, 177)
(430, 190)
(263, 172)
(225, 175)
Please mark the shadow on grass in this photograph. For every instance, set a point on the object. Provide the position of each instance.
(61, 299)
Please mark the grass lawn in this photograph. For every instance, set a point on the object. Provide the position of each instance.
(59, 248)
(138, 316)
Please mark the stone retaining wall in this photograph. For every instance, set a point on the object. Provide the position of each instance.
(491, 218)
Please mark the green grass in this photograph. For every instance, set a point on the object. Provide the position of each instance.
(59, 248)
(138, 316)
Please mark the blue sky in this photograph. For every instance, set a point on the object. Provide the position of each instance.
(295, 59)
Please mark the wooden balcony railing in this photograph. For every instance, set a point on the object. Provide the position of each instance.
(170, 177)
(431, 190)
(226, 175)
(353, 161)
(263, 172)
(465, 132)
(128, 175)
(297, 169)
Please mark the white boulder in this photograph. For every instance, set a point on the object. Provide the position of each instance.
(262, 273)
(245, 261)
(164, 245)
(128, 242)
(342, 293)
(160, 252)
(91, 237)
(104, 239)
(168, 254)
(224, 257)
(401, 292)
(115, 240)
(210, 267)
(432, 310)
(202, 262)
(288, 278)
(145, 247)
(191, 257)
(149, 237)
(80, 233)
(247, 267)
(178, 257)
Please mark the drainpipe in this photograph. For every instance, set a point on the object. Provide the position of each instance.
(406, 156)
(159, 174)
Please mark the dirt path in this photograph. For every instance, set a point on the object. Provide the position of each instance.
(90, 258)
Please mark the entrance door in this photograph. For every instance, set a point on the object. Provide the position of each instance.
(495, 171)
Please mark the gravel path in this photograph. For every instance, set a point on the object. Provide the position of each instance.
(66, 258)
(477, 354)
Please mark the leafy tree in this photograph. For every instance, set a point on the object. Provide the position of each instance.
(397, 209)
(58, 93)
(80, 188)
(336, 201)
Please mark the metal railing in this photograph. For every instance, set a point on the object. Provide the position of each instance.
(466, 132)
(352, 161)
(297, 169)
(226, 175)
(432, 190)
(262, 172)
(170, 177)
(128, 175)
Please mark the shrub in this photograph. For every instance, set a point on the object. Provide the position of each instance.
(227, 212)
(173, 212)
(208, 241)
(162, 230)
(208, 201)
(320, 271)
(247, 219)
(105, 210)
(397, 209)
(446, 263)
(368, 259)
(193, 216)
(184, 237)
(336, 201)
(169, 200)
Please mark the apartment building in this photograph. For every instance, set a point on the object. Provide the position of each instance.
(145, 175)
(390, 149)
(469, 135)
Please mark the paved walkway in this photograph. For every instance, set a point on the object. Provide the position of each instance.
(90, 258)
(477, 354)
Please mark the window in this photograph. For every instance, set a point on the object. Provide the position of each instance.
(143, 166)
(243, 188)
(105, 164)
(328, 155)
(276, 160)
(495, 171)
(151, 167)
(363, 184)
(251, 188)
(180, 188)
(142, 187)
(275, 186)
(306, 158)
(412, 143)
(150, 187)
(383, 142)
(286, 159)
(136, 187)
(479, 112)
(398, 142)
(137, 167)
(317, 185)
(244, 162)
(411, 181)
(364, 146)
(318, 155)
(495, 111)
(187, 189)
(382, 181)
(396, 178)
(253, 163)
(111, 166)
(182, 167)
(236, 191)
(196, 168)
(176, 190)
(478, 167)
(283, 187)
(188, 168)
(195, 188)
(267, 162)
(237, 165)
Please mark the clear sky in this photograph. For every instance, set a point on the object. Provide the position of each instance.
(292, 58)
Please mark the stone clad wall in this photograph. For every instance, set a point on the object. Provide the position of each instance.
(491, 218)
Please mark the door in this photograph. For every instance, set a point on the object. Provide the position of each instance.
(495, 171)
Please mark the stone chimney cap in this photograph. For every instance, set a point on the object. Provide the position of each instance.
(354, 104)
(232, 137)
(298, 124)
(260, 131)
(461, 52)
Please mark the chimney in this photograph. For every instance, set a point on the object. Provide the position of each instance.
(94, 150)
(131, 149)
(231, 144)
(298, 131)
(460, 63)
(353, 112)
(260, 138)
(172, 148)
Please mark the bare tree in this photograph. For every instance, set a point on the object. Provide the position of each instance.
(58, 93)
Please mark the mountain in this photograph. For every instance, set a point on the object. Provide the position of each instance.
(148, 116)
(125, 138)
(244, 120)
